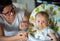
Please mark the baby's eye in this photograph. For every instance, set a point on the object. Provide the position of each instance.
(38, 21)
(43, 22)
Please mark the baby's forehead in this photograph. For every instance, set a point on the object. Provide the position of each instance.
(41, 19)
(40, 16)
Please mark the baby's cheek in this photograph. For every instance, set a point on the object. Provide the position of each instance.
(37, 24)
(44, 24)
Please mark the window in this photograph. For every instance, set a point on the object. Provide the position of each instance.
(38, 2)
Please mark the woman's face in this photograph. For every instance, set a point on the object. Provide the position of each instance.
(8, 10)
(9, 13)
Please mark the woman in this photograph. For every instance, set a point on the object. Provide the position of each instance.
(10, 19)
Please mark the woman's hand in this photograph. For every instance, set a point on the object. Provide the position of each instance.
(13, 38)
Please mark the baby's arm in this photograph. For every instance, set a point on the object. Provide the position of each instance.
(52, 36)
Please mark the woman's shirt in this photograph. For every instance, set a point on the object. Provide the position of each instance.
(12, 29)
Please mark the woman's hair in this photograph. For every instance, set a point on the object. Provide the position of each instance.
(4, 3)
(43, 14)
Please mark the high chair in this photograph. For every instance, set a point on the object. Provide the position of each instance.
(54, 15)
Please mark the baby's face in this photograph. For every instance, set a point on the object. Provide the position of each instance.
(40, 21)
(23, 26)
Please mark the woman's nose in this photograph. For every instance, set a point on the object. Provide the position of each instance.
(11, 13)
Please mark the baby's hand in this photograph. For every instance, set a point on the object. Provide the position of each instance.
(23, 36)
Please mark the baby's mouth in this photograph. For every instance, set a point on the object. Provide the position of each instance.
(41, 27)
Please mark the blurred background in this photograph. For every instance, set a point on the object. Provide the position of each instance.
(29, 5)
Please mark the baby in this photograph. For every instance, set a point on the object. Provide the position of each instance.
(23, 27)
(42, 31)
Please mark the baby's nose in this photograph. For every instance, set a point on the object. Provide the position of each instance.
(41, 23)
